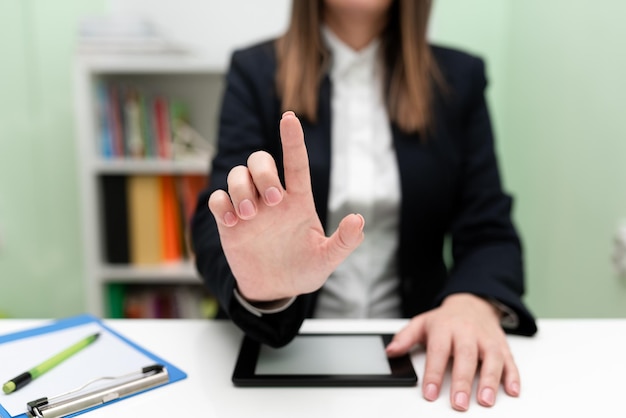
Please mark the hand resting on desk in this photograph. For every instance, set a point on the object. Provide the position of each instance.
(466, 328)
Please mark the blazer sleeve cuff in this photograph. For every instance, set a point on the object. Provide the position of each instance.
(508, 317)
(262, 308)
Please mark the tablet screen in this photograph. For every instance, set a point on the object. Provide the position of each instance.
(326, 354)
(323, 360)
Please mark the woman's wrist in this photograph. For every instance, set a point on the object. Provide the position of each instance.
(477, 301)
(505, 315)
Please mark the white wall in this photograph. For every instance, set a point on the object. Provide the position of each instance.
(212, 28)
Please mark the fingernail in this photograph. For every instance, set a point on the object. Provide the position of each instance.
(431, 392)
(393, 345)
(230, 219)
(461, 400)
(515, 389)
(273, 196)
(488, 396)
(362, 219)
(246, 209)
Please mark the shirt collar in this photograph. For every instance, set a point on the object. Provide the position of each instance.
(344, 58)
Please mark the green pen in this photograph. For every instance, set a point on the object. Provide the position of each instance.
(26, 377)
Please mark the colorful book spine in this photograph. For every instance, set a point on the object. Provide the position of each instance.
(116, 122)
(133, 131)
(189, 189)
(106, 142)
(116, 296)
(171, 245)
(146, 128)
(144, 201)
(162, 129)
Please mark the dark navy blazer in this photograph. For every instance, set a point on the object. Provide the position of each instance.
(450, 187)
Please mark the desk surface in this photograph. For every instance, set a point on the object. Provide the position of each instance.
(571, 368)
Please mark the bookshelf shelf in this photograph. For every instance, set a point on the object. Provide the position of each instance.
(173, 273)
(143, 64)
(134, 166)
(128, 109)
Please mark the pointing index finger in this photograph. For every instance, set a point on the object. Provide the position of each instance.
(295, 157)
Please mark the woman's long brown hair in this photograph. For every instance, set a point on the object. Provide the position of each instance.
(411, 70)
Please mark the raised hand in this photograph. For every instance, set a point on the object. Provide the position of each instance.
(272, 236)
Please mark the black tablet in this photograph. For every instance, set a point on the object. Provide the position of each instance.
(323, 360)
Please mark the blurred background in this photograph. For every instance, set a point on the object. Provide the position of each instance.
(557, 86)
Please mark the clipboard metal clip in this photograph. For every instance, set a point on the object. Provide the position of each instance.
(78, 400)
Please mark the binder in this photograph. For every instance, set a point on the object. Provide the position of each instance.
(170, 220)
(144, 200)
(115, 225)
(113, 368)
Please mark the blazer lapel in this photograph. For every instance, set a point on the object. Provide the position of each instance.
(317, 139)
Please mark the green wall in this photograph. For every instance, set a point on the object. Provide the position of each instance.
(557, 83)
(557, 88)
(40, 250)
(566, 116)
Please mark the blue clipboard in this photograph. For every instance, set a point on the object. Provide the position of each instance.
(115, 356)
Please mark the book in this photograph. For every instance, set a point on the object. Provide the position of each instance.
(133, 135)
(115, 299)
(116, 121)
(171, 245)
(162, 128)
(146, 128)
(106, 140)
(190, 187)
(115, 215)
(138, 302)
(144, 202)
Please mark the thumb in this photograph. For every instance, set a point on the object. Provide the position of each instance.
(407, 337)
(346, 238)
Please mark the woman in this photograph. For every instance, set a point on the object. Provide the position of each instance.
(393, 151)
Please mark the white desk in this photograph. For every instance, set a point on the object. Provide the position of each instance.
(571, 368)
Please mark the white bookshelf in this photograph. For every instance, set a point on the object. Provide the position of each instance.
(195, 81)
